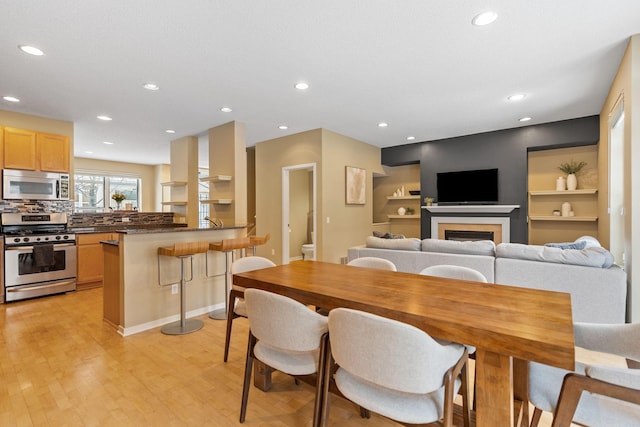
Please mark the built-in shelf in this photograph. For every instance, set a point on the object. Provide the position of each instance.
(216, 178)
(174, 183)
(563, 193)
(403, 197)
(471, 208)
(217, 201)
(563, 218)
(403, 216)
(174, 203)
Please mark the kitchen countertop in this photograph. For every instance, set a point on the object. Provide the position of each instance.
(146, 229)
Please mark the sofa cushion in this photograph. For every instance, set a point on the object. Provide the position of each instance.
(477, 247)
(411, 244)
(588, 257)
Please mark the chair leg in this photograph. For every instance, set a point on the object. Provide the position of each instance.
(247, 376)
(535, 419)
(230, 316)
(466, 413)
(327, 372)
(320, 378)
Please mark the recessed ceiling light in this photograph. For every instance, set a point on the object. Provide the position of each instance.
(302, 86)
(170, 131)
(11, 98)
(383, 125)
(226, 110)
(283, 127)
(104, 118)
(31, 50)
(411, 138)
(108, 142)
(525, 119)
(151, 86)
(484, 18)
(516, 97)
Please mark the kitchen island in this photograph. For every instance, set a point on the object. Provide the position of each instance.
(133, 299)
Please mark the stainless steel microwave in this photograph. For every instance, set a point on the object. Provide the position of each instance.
(32, 185)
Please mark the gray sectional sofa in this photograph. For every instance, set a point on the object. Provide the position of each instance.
(598, 288)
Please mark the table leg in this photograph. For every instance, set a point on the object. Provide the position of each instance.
(262, 375)
(494, 401)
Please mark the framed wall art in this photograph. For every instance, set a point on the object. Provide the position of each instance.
(355, 185)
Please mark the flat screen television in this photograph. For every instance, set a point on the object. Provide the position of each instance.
(468, 187)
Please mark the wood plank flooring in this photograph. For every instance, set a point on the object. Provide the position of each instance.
(61, 365)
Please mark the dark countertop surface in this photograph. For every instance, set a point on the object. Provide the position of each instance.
(145, 228)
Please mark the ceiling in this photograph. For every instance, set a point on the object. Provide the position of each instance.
(418, 65)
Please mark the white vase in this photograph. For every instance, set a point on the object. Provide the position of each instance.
(566, 209)
(401, 211)
(561, 184)
(572, 182)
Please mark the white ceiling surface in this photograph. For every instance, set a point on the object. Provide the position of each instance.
(418, 65)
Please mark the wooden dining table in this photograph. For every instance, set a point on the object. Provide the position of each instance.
(504, 323)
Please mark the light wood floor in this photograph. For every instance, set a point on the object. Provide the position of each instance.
(60, 365)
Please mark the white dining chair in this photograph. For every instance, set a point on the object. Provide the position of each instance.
(373, 262)
(592, 395)
(454, 272)
(399, 371)
(287, 336)
(237, 307)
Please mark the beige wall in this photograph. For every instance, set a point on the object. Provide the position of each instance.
(349, 224)
(627, 85)
(148, 173)
(39, 124)
(270, 157)
(339, 225)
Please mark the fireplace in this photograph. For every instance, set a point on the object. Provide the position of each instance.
(471, 228)
(468, 235)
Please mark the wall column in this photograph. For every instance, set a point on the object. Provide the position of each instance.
(184, 168)
(228, 158)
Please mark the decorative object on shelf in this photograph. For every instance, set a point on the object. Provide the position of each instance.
(118, 197)
(561, 183)
(556, 212)
(566, 209)
(355, 181)
(571, 169)
(428, 201)
(414, 192)
(410, 211)
(401, 210)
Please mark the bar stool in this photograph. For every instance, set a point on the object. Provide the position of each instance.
(228, 246)
(257, 241)
(184, 251)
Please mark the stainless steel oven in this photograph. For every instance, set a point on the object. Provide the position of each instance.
(39, 255)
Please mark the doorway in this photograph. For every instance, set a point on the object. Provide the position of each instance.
(299, 200)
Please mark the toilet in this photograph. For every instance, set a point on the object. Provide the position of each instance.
(308, 249)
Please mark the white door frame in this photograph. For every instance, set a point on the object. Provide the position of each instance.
(285, 208)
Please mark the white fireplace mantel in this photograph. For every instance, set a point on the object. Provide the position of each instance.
(452, 209)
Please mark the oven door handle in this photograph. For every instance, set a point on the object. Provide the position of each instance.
(36, 287)
(30, 248)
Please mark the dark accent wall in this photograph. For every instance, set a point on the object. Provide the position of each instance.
(504, 149)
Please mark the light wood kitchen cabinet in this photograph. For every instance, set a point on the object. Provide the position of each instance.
(52, 152)
(30, 150)
(90, 259)
(19, 149)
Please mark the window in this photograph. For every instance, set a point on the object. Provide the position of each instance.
(93, 191)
